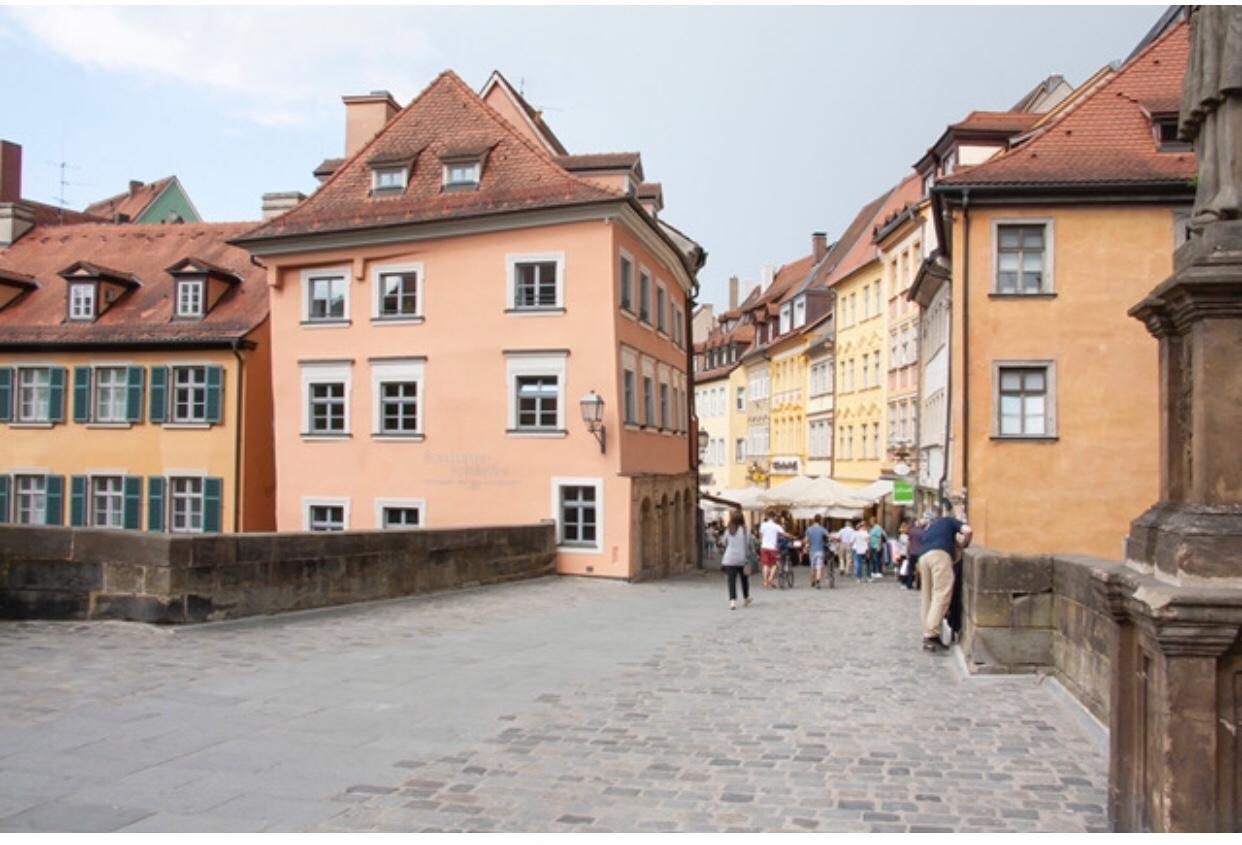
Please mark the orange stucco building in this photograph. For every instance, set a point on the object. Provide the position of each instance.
(441, 306)
(1053, 387)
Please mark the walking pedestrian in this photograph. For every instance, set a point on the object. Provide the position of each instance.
(913, 549)
(770, 533)
(876, 541)
(940, 543)
(816, 540)
(734, 561)
(901, 552)
(845, 547)
(861, 548)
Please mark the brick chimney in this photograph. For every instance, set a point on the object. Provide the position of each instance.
(10, 171)
(766, 274)
(819, 246)
(365, 116)
(136, 185)
(732, 293)
(277, 204)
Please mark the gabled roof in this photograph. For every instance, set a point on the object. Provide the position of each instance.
(533, 117)
(596, 162)
(54, 215)
(131, 203)
(1001, 122)
(1107, 137)
(1036, 96)
(862, 248)
(143, 253)
(447, 115)
(90, 269)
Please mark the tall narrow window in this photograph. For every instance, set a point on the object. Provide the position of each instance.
(629, 390)
(190, 298)
(579, 520)
(644, 297)
(82, 301)
(627, 285)
(664, 406)
(661, 320)
(648, 402)
(30, 500)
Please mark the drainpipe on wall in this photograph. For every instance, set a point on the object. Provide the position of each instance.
(965, 346)
(237, 435)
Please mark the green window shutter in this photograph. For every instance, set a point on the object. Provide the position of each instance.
(215, 376)
(56, 395)
(55, 500)
(159, 395)
(77, 500)
(131, 515)
(133, 394)
(4, 499)
(81, 394)
(211, 505)
(6, 394)
(155, 503)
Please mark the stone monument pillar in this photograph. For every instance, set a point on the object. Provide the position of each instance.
(1177, 691)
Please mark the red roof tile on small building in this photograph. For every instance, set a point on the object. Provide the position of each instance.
(996, 121)
(1107, 138)
(130, 203)
(145, 313)
(518, 175)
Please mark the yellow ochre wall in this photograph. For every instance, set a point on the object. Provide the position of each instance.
(860, 406)
(1079, 492)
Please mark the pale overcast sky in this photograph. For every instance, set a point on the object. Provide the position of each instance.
(764, 124)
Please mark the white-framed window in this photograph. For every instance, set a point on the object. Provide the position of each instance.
(189, 394)
(398, 292)
(400, 513)
(34, 394)
(740, 399)
(626, 282)
(536, 392)
(629, 386)
(664, 407)
(107, 501)
(1022, 257)
(389, 179)
(578, 507)
(661, 307)
(739, 450)
(111, 391)
(185, 504)
(325, 398)
(397, 397)
(1024, 396)
(325, 514)
(29, 500)
(82, 301)
(325, 295)
(786, 317)
(190, 298)
(462, 174)
(799, 312)
(535, 281)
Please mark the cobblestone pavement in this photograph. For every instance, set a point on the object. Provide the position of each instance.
(560, 704)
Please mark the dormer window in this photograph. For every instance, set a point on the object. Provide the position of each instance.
(462, 174)
(389, 179)
(190, 298)
(82, 301)
(1164, 127)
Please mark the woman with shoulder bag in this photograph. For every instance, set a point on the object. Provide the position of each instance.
(735, 558)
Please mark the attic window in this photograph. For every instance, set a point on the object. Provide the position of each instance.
(1165, 127)
(390, 179)
(462, 174)
(82, 301)
(190, 298)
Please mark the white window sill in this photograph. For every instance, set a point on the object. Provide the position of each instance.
(580, 550)
(188, 426)
(398, 321)
(32, 424)
(544, 433)
(542, 311)
(313, 437)
(384, 437)
(108, 425)
(627, 313)
(630, 426)
(326, 324)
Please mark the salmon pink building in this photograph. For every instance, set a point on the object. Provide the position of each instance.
(451, 310)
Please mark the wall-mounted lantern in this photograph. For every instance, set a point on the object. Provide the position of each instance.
(593, 415)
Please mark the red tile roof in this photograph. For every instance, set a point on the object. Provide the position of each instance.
(131, 203)
(601, 161)
(859, 247)
(517, 176)
(143, 314)
(1106, 138)
(996, 121)
(52, 215)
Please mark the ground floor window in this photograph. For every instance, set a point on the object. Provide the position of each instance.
(578, 504)
(30, 499)
(400, 513)
(107, 501)
(325, 516)
(186, 505)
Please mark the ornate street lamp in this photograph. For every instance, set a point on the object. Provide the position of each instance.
(703, 444)
(593, 415)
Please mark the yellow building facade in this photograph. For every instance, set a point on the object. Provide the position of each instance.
(787, 408)
(860, 386)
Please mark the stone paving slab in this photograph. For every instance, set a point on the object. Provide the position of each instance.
(560, 704)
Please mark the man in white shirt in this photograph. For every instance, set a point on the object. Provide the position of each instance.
(769, 533)
(845, 547)
(861, 544)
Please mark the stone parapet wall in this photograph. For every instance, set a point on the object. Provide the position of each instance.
(1041, 613)
(78, 573)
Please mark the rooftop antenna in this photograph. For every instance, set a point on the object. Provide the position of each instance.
(61, 201)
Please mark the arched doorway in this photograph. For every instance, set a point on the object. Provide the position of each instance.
(677, 552)
(666, 527)
(647, 538)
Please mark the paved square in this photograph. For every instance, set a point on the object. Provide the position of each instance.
(559, 704)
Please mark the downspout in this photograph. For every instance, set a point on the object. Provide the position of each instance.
(237, 435)
(965, 346)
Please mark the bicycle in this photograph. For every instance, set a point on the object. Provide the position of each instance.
(785, 574)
